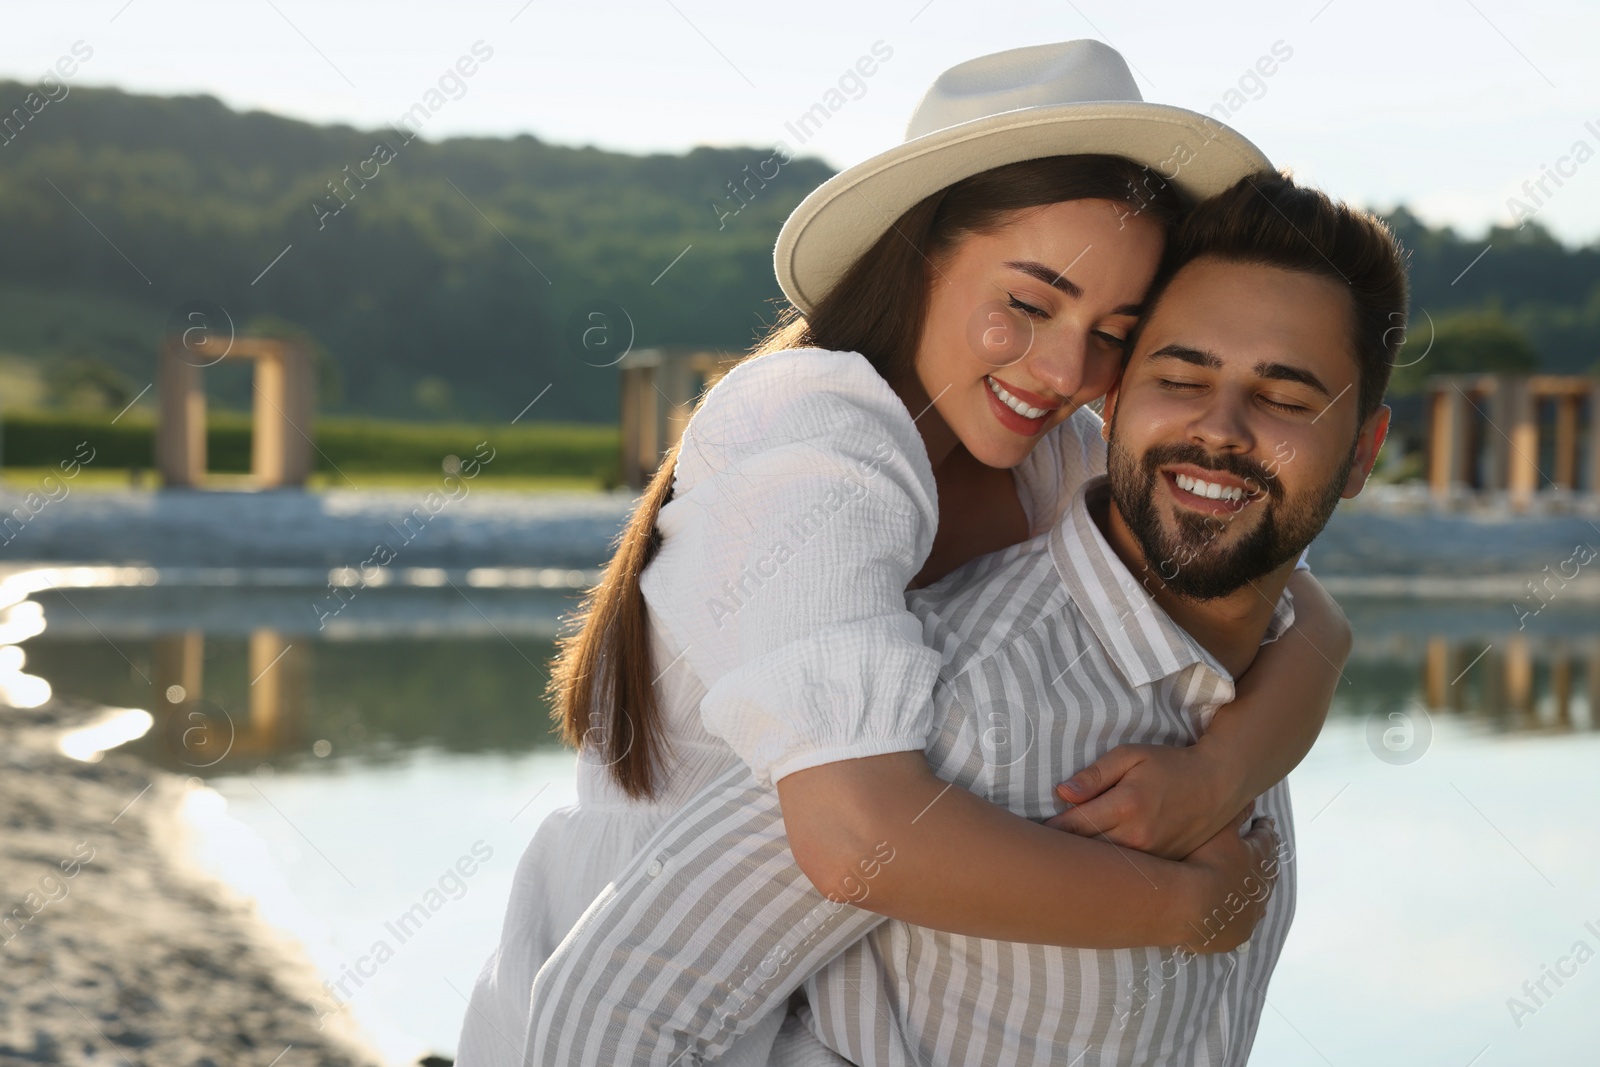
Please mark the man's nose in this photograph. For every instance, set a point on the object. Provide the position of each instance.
(1223, 423)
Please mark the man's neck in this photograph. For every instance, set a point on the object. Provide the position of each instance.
(1229, 627)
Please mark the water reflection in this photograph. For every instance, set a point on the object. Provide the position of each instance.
(200, 733)
(418, 726)
(1517, 683)
(414, 669)
(236, 677)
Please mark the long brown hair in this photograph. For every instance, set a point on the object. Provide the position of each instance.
(602, 681)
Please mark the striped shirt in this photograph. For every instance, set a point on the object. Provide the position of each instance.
(1052, 654)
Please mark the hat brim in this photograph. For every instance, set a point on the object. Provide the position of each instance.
(846, 214)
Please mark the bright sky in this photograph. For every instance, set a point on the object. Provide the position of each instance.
(1447, 105)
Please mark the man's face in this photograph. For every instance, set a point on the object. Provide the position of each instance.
(1233, 431)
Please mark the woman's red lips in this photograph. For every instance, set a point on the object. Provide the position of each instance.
(1029, 398)
(1011, 420)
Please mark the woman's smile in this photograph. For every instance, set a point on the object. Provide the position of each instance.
(1018, 409)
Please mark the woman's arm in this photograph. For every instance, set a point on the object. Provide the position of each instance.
(717, 892)
(1167, 801)
(962, 864)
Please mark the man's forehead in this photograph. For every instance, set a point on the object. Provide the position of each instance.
(1250, 315)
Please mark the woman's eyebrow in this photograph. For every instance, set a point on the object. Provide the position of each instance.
(1053, 278)
(1057, 280)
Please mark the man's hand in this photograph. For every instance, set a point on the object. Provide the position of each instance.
(1158, 799)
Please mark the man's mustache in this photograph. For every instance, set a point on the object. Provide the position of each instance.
(1256, 476)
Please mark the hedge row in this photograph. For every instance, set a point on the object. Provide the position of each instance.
(44, 439)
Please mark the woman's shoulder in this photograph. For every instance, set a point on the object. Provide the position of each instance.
(797, 382)
(813, 397)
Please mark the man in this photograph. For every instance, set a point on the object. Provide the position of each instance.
(1251, 404)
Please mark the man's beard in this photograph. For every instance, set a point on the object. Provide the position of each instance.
(1191, 562)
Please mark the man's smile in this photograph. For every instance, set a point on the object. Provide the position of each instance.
(1210, 491)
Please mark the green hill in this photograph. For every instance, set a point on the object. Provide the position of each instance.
(459, 265)
(448, 280)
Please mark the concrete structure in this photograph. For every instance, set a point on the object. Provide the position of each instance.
(280, 450)
(1487, 432)
(660, 388)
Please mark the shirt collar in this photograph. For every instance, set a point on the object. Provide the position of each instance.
(1139, 637)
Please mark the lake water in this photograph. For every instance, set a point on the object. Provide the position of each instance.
(1448, 856)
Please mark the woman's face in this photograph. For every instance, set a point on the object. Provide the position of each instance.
(1027, 323)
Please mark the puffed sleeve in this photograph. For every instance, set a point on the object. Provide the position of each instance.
(803, 505)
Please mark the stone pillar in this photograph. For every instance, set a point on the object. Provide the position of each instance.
(1594, 449)
(181, 420)
(270, 424)
(1446, 466)
(1566, 472)
(649, 415)
(280, 444)
(628, 394)
(642, 445)
(1521, 428)
(299, 412)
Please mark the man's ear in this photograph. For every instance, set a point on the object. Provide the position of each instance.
(1368, 443)
(1108, 409)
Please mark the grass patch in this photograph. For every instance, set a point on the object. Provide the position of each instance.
(536, 454)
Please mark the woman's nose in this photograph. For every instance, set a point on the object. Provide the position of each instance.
(1058, 362)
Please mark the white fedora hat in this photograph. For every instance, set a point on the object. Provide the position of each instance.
(1070, 98)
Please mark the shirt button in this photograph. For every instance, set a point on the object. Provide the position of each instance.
(1243, 949)
(654, 868)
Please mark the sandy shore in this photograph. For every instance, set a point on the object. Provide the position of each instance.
(114, 950)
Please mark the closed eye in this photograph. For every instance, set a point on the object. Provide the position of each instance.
(1292, 409)
(1112, 339)
(1168, 383)
(1027, 309)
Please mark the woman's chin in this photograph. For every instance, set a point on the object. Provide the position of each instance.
(1001, 454)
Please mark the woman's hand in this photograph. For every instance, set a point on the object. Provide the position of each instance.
(1234, 877)
(1158, 799)
(1165, 800)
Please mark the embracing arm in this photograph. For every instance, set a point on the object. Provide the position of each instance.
(716, 921)
(1283, 699)
(1168, 800)
(959, 863)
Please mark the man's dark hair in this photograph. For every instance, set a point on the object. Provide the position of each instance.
(1267, 219)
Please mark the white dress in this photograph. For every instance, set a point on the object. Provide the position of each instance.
(803, 505)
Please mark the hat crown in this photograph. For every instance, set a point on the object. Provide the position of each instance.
(1067, 72)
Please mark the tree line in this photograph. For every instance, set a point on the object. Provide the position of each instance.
(457, 278)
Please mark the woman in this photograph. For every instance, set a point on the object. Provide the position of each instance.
(754, 609)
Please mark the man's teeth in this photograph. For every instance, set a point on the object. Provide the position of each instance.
(1209, 490)
(1013, 403)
